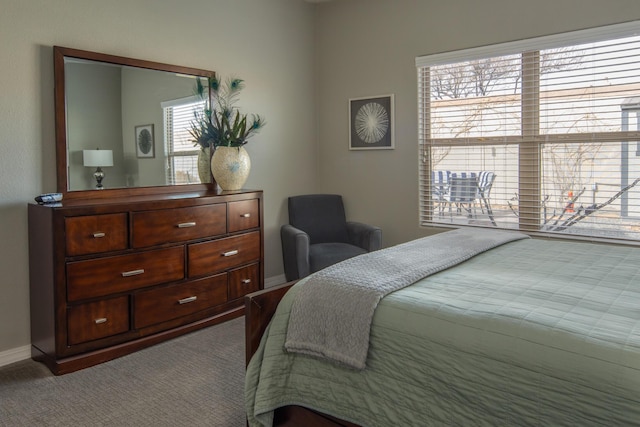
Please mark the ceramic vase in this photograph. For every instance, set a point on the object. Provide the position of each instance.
(204, 165)
(230, 167)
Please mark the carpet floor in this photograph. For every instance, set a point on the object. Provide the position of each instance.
(193, 380)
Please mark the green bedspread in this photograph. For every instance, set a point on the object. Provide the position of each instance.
(530, 333)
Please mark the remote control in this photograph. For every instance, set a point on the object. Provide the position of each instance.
(49, 198)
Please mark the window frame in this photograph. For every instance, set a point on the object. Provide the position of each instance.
(167, 114)
(530, 141)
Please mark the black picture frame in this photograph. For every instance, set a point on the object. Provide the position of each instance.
(371, 123)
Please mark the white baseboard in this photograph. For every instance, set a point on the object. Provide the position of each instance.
(274, 281)
(15, 355)
(22, 353)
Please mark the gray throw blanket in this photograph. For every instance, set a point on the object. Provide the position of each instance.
(332, 312)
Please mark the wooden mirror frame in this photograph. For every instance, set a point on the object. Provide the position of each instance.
(59, 55)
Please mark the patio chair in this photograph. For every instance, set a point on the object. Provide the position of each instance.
(462, 193)
(485, 182)
(439, 189)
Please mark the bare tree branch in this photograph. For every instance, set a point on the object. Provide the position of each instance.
(566, 208)
(582, 212)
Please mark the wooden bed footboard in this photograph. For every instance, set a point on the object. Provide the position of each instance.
(259, 309)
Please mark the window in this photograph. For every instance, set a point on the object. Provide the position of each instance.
(538, 135)
(182, 154)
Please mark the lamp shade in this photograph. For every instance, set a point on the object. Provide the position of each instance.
(97, 158)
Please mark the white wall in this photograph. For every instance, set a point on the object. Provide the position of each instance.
(368, 48)
(268, 43)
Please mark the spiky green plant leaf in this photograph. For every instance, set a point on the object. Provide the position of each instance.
(221, 123)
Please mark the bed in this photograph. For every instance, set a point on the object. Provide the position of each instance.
(531, 332)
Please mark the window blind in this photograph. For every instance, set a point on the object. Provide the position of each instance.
(182, 155)
(539, 135)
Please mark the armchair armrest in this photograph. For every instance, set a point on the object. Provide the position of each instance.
(366, 236)
(295, 252)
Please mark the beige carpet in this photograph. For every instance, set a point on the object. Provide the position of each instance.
(193, 380)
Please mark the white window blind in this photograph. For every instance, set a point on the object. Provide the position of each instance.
(182, 155)
(539, 135)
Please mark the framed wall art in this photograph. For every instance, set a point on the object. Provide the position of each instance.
(145, 147)
(371, 123)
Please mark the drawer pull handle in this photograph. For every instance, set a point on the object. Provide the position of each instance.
(101, 320)
(246, 281)
(231, 253)
(98, 234)
(186, 224)
(247, 215)
(132, 273)
(187, 300)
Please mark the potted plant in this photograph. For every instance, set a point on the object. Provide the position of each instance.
(222, 127)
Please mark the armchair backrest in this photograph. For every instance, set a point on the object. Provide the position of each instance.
(485, 181)
(463, 190)
(321, 216)
(439, 182)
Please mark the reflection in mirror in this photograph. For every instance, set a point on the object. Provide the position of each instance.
(105, 105)
(138, 110)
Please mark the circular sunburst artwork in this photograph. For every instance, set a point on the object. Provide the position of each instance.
(144, 141)
(371, 122)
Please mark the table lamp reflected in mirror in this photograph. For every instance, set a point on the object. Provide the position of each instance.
(99, 159)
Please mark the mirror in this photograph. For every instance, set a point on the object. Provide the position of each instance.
(111, 125)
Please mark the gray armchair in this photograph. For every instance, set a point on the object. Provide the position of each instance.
(318, 235)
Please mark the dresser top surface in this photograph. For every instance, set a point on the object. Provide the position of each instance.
(186, 197)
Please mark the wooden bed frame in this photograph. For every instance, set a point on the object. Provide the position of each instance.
(259, 308)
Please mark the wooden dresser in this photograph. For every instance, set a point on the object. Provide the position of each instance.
(112, 276)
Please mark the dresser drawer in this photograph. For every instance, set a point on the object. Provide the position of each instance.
(243, 215)
(177, 225)
(159, 305)
(91, 321)
(243, 281)
(95, 233)
(104, 276)
(218, 255)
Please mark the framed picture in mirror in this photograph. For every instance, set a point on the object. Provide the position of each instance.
(145, 147)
